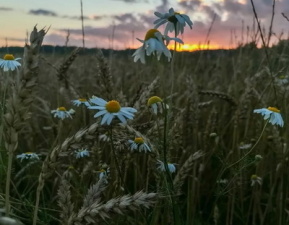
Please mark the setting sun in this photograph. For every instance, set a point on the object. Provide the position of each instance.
(193, 47)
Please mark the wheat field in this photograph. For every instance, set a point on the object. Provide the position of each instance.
(206, 158)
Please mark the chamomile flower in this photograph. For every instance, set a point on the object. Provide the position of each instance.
(161, 167)
(245, 146)
(154, 43)
(81, 153)
(81, 101)
(271, 113)
(9, 62)
(62, 113)
(175, 21)
(27, 155)
(103, 173)
(139, 144)
(156, 104)
(256, 180)
(282, 80)
(110, 110)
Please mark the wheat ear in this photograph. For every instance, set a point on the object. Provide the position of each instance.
(64, 202)
(186, 169)
(51, 159)
(220, 95)
(97, 211)
(19, 102)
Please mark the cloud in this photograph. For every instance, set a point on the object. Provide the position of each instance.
(42, 12)
(132, 1)
(5, 9)
(233, 24)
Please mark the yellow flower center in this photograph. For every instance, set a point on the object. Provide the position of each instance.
(173, 18)
(153, 100)
(28, 153)
(61, 108)
(82, 100)
(274, 109)
(102, 171)
(71, 167)
(254, 177)
(139, 140)
(112, 106)
(282, 77)
(9, 57)
(151, 34)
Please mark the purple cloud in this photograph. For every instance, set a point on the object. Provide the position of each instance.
(42, 12)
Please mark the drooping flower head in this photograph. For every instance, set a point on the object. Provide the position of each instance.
(27, 155)
(9, 62)
(139, 144)
(62, 113)
(154, 43)
(81, 153)
(81, 101)
(272, 114)
(103, 173)
(161, 167)
(110, 110)
(175, 21)
(156, 103)
(256, 180)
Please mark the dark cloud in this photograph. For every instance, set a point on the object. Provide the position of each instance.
(5, 9)
(42, 12)
(93, 17)
(189, 4)
(45, 12)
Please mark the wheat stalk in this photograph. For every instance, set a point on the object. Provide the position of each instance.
(64, 202)
(186, 169)
(51, 159)
(19, 102)
(220, 95)
(97, 211)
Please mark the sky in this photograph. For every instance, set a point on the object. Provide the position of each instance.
(117, 23)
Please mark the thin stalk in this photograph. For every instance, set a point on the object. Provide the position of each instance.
(8, 181)
(265, 46)
(115, 159)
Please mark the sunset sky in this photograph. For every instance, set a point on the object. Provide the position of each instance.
(118, 23)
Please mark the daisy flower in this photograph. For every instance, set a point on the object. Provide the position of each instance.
(271, 113)
(103, 173)
(258, 158)
(156, 103)
(138, 144)
(9, 62)
(245, 146)
(162, 168)
(27, 155)
(62, 113)
(256, 180)
(111, 109)
(80, 101)
(154, 42)
(282, 80)
(81, 153)
(175, 21)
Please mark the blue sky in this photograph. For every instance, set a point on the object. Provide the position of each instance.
(118, 23)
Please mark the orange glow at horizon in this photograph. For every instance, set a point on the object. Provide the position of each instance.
(194, 47)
